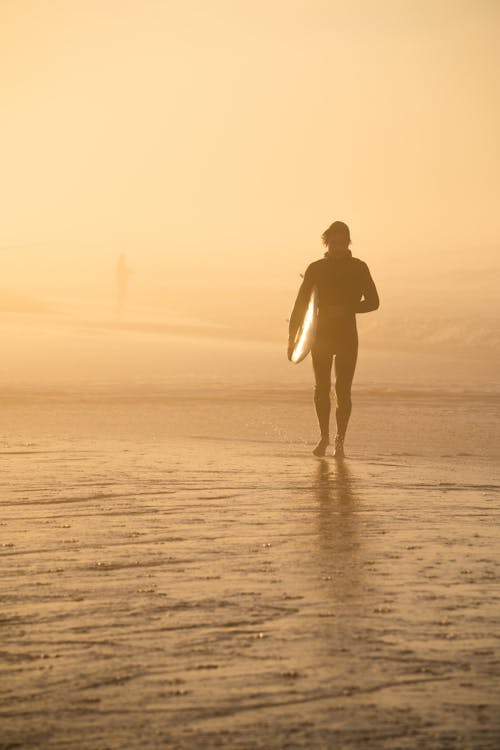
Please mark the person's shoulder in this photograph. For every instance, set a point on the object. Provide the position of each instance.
(360, 264)
(316, 265)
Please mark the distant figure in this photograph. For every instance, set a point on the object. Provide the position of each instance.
(122, 276)
(345, 287)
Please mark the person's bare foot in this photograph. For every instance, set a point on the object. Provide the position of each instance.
(339, 447)
(320, 449)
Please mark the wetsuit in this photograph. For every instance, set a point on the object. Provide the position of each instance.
(341, 282)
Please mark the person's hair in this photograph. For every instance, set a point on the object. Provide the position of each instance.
(336, 231)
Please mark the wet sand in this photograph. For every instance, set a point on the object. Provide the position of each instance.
(179, 572)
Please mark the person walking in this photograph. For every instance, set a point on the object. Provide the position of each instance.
(345, 288)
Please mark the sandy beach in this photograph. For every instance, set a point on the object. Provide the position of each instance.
(179, 572)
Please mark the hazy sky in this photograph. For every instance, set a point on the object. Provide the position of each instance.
(220, 137)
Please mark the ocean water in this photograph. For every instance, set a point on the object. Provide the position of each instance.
(72, 354)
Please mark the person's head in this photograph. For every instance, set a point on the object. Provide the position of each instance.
(337, 237)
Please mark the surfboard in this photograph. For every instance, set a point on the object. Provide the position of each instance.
(306, 331)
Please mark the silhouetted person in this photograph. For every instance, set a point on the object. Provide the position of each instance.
(345, 287)
(122, 276)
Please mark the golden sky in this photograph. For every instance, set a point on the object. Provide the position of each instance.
(220, 137)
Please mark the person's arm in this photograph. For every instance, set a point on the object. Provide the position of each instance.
(370, 299)
(300, 306)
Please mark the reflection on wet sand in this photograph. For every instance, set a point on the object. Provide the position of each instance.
(338, 527)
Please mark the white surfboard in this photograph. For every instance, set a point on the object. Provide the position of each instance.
(306, 332)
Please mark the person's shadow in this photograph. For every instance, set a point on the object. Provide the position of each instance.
(338, 527)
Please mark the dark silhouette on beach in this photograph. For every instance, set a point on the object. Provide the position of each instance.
(345, 288)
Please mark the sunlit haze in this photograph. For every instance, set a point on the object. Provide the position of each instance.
(213, 142)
